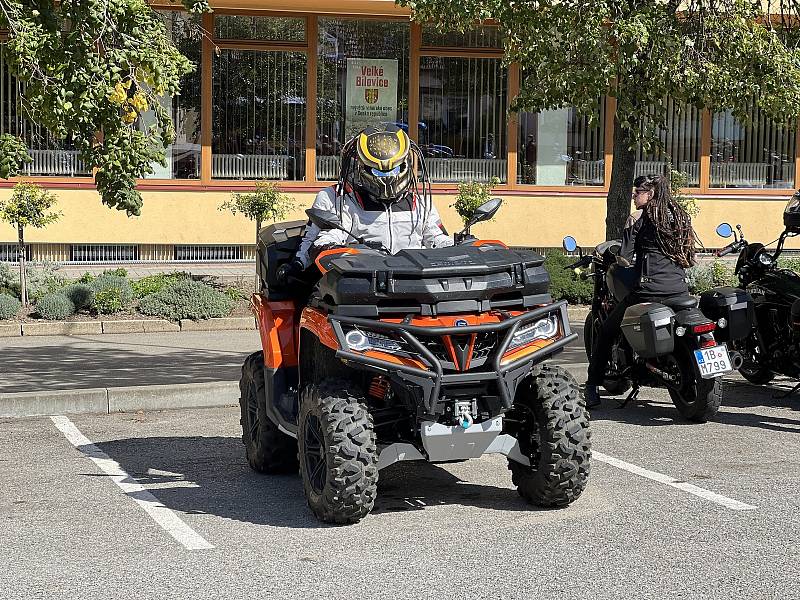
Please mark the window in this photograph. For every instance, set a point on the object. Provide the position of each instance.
(462, 129)
(560, 147)
(183, 156)
(245, 27)
(51, 157)
(362, 79)
(760, 154)
(259, 115)
(480, 37)
(680, 145)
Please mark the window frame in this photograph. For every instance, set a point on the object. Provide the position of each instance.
(311, 11)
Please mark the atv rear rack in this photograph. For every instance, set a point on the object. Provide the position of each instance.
(432, 381)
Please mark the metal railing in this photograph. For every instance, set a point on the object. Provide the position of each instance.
(56, 162)
(466, 169)
(252, 166)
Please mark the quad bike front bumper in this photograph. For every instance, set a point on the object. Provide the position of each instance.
(501, 367)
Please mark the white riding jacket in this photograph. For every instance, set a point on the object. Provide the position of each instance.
(409, 223)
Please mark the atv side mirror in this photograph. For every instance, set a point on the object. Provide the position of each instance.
(485, 211)
(724, 230)
(569, 244)
(324, 219)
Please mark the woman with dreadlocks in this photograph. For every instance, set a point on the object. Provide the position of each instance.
(377, 198)
(659, 239)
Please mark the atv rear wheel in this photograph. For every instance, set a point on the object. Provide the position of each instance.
(337, 452)
(614, 386)
(698, 399)
(556, 437)
(268, 449)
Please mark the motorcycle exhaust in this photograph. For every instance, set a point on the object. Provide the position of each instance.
(736, 359)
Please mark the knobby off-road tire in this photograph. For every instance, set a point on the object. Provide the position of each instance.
(699, 399)
(337, 452)
(615, 387)
(268, 449)
(557, 439)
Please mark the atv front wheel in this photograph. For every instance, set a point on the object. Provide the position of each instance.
(337, 452)
(555, 435)
(268, 449)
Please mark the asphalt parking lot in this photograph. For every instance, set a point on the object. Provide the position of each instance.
(163, 505)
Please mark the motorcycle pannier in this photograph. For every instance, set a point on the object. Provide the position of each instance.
(732, 304)
(648, 328)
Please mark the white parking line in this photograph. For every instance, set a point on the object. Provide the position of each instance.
(168, 520)
(729, 503)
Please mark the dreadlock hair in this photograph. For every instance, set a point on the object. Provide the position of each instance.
(673, 225)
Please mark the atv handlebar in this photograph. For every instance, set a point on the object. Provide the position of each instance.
(581, 263)
(732, 247)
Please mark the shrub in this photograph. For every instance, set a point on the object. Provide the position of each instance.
(793, 264)
(186, 299)
(55, 306)
(118, 272)
(107, 281)
(9, 306)
(235, 293)
(471, 194)
(86, 278)
(565, 284)
(80, 294)
(704, 276)
(155, 283)
(7, 280)
(109, 301)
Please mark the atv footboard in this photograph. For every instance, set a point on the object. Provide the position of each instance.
(444, 363)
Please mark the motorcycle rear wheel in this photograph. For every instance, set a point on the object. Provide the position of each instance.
(698, 399)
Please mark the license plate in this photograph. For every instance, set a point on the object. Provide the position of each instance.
(713, 362)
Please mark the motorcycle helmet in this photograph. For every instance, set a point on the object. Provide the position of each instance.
(383, 167)
(791, 214)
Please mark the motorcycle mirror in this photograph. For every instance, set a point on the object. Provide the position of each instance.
(569, 244)
(724, 230)
(323, 218)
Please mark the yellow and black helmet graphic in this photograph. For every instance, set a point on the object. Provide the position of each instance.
(383, 149)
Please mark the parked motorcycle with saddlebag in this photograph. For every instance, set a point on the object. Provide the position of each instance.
(773, 344)
(668, 344)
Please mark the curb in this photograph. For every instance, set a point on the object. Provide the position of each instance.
(119, 399)
(127, 326)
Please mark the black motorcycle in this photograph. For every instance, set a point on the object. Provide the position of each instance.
(773, 346)
(670, 344)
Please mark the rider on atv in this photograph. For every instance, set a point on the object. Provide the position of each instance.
(376, 199)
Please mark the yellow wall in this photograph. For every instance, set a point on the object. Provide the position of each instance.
(188, 217)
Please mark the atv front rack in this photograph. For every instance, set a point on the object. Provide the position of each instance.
(507, 375)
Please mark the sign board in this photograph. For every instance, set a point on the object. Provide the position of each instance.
(371, 93)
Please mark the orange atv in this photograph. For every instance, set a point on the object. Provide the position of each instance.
(431, 354)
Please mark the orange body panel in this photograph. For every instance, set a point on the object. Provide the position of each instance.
(397, 360)
(527, 349)
(317, 323)
(330, 252)
(490, 243)
(276, 325)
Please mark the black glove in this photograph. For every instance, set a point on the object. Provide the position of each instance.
(287, 270)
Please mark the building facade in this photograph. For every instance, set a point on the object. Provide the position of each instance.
(281, 84)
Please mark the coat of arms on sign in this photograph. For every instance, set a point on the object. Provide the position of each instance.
(371, 95)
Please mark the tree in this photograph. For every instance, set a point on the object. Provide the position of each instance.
(28, 206)
(267, 203)
(714, 54)
(89, 68)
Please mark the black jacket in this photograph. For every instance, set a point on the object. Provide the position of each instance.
(656, 274)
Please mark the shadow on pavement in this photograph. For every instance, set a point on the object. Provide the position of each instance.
(59, 367)
(659, 413)
(209, 475)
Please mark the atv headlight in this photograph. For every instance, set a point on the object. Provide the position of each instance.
(369, 340)
(542, 329)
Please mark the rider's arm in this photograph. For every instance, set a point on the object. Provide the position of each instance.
(628, 249)
(314, 237)
(434, 234)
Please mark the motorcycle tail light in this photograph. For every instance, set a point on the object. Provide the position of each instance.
(708, 343)
(704, 328)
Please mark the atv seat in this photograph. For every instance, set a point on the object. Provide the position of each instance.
(677, 303)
